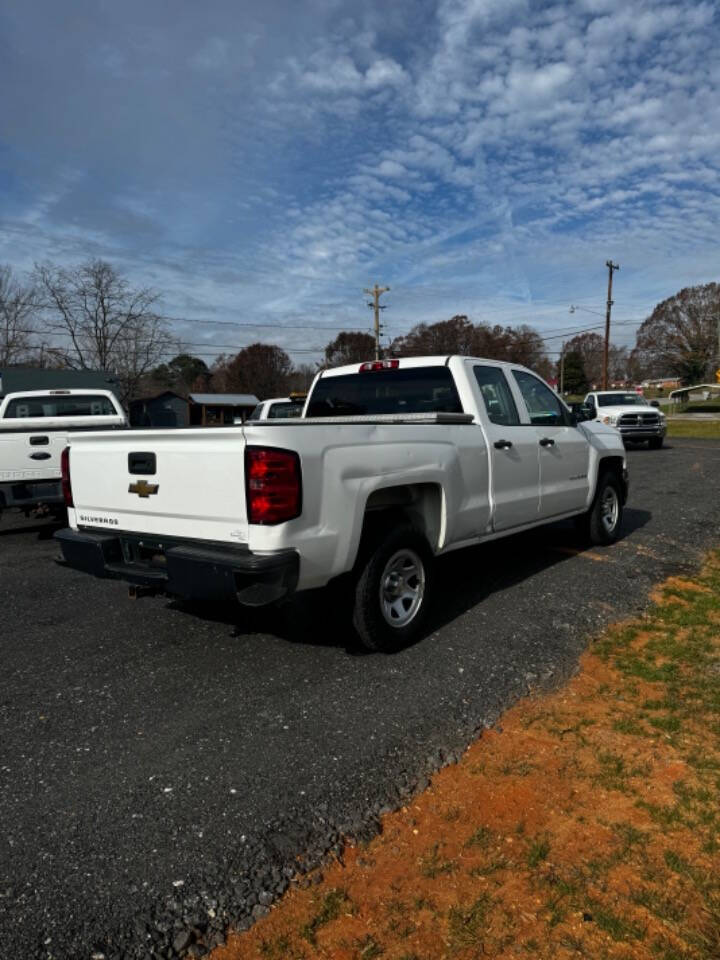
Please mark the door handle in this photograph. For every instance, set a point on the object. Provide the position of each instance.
(502, 444)
(40, 456)
(547, 442)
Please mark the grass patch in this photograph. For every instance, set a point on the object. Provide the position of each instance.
(278, 949)
(369, 948)
(705, 429)
(619, 928)
(539, 850)
(466, 923)
(432, 864)
(481, 838)
(332, 905)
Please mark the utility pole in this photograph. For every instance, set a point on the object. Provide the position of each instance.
(376, 293)
(611, 266)
(562, 369)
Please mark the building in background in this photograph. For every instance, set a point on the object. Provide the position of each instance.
(220, 409)
(167, 409)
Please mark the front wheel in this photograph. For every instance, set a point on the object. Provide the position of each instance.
(391, 591)
(654, 443)
(603, 520)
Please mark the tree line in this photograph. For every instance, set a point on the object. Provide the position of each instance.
(91, 317)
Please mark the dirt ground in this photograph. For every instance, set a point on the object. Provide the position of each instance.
(586, 824)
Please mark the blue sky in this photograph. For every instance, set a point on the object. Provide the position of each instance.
(263, 162)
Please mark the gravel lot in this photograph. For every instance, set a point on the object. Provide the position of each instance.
(160, 771)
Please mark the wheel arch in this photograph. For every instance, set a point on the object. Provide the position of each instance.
(616, 466)
(419, 504)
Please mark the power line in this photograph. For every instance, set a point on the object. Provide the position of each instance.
(274, 326)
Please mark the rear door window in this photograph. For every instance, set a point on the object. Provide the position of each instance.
(497, 396)
(402, 390)
(50, 406)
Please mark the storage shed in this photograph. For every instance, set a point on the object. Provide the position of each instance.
(220, 409)
(166, 409)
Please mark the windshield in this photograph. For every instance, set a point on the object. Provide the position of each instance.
(279, 411)
(402, 390)
(620, 400)
(89, 405)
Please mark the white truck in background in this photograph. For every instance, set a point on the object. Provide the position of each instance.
(629, 413)
(34, 430)
(279, 408)
(392, 463)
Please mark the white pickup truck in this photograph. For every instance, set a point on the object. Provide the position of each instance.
(34, 430)
(278, 408)
(392, 463)
(629, 413)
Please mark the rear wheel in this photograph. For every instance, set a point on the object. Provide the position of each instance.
(601, 524)
(391, 590)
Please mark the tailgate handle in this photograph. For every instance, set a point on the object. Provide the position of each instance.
(143, 464)
(39, 441)
(40, 456)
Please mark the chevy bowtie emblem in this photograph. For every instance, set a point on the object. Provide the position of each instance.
(144, 489)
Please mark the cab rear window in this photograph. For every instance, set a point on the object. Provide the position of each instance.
(50, 406)
(402, 390)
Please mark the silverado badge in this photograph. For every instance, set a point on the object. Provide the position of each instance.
(143, 489)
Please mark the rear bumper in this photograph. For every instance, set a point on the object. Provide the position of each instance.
(30, 493)
(184, 568)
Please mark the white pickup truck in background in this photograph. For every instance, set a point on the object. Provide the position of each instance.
(34, 430)
(392, 463)
(629, 413)
(278, 408)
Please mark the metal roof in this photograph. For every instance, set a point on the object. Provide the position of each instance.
(696, 386)
(224, 399)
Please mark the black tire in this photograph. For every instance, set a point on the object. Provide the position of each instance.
(595, 525)
(655, 443)
(404, 553)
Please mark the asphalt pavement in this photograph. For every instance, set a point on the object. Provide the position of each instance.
(164, 773)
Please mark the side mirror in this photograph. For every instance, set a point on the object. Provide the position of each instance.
(654, 403)
(582, 411)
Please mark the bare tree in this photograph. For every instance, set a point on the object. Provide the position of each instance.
(679, 338)
(260, 368)
(350, 346)
(109, 324)
(520, 344)
(18, 305)
(590, 347)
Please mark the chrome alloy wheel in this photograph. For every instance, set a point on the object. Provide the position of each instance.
(402, 586)
(609, 509)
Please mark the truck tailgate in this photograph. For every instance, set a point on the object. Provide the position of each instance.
(184, 483)
(27, 456)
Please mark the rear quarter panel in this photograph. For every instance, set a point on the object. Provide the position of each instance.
(343, 464)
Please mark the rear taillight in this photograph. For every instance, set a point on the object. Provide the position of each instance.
(273, 485)
(379, 365)
(65, 474)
